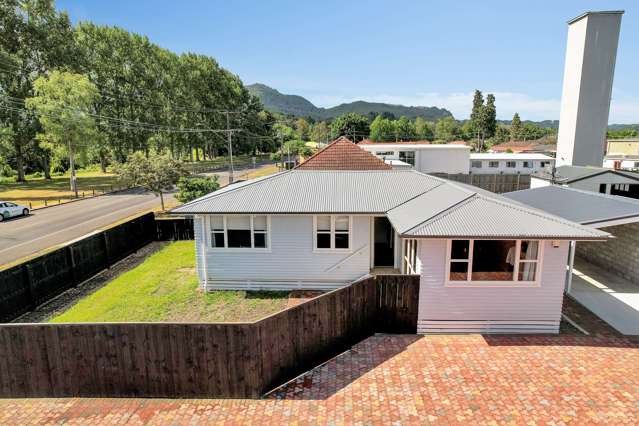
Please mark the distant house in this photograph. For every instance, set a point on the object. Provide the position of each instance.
(595, 179)
(506, 163)
(342, 154)
(487, 264)
(421, 155)
(622, 146)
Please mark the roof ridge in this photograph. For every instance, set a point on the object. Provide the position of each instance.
(248, 183)
(443, 212)
(539, 213)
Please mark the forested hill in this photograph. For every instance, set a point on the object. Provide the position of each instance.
(299, 106)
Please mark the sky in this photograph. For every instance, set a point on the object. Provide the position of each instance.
(430, 53)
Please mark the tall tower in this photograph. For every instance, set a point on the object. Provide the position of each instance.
(591, 53)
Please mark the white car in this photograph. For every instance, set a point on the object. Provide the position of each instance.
(8, 209)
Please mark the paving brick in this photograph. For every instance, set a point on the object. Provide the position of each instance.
(447, 379)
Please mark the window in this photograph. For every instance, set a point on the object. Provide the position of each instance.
(493, 164)
(241, 232)
(527, 164)
(544, 164)
(475, 164)
(332, 232)
(511, 164)
(493, 261)
(636, 166)
(407, 157)
(217, 232)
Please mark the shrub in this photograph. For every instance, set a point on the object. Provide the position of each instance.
(195, 187)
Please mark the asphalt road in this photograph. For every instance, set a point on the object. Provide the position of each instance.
(52, 226)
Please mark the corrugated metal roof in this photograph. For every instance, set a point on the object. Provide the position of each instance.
(509, 156)
(318, 191)
(418, 205)
(482, 217)
(580, 206)
(568, 174)
(413, 212)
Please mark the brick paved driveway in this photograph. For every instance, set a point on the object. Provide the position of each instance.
(469, 379)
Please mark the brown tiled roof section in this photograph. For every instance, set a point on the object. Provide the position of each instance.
(515, 146)
(342, 154)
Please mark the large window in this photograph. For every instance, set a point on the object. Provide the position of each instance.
(475, 164)
(240, 232)
(332, 232)
(493, 164)
(407, 157)
(493, 261)
(511, 164)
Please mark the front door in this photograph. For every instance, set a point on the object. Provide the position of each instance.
(384, 242)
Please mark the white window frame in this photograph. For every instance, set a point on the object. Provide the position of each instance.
(513, 283)
(226, 248)
(332, 249)
(476, 164)
(527, 164)
(508, 164)
(491, 162)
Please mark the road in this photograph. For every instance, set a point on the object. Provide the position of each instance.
(239, 173)
(52, 226)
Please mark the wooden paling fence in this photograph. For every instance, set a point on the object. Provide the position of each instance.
(25, 286)
(242, 360)
(498, 183)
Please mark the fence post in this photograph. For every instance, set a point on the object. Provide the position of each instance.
(71, 260)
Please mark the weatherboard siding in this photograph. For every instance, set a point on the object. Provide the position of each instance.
(290, 263)
(489, 309)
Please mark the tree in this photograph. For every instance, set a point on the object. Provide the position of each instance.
(303, 128)
(476, 113)
(489, 117)
(404, 129)
(352, 125)
(382, 129)
(320, 132)
(515, 127)
(35, 39)
(155, 173)
(446, 129)
(423, 129)
(63, 104)
(191, 188)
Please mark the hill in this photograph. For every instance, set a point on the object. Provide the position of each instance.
(299, 106)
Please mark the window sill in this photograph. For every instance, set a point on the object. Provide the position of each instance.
(336, 251)
(237, 250)
(503, 284)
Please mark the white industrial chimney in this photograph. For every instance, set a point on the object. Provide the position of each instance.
(585, 101)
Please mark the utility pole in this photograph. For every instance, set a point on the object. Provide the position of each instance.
(228, 135)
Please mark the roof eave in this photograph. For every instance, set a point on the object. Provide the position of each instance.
(507, 237)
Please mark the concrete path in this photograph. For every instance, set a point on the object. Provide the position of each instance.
(46, 228)
(612, 298)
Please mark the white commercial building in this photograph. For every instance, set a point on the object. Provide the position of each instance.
(505, 163)
(424, 157)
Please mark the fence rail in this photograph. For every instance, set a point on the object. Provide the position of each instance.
(200, 360)
(498, 183)
(25, 286)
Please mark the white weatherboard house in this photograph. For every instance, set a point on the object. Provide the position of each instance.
(486, 263)
(509, 163)
(423, 156)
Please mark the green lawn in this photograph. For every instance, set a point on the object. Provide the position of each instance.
(165, 288)
(36, 190)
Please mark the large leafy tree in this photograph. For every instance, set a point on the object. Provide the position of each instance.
(515, 127)
(423, 129)
(34, 39)
(405, 129)
(446, 129)
(382, 129)
(155, 173)
(352, 125)
(63, 103)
